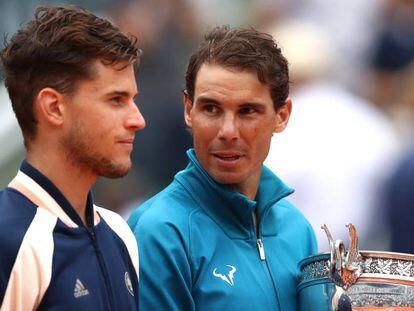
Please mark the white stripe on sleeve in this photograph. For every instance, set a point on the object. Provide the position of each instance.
(32, 270)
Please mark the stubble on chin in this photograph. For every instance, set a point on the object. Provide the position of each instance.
(80, 153)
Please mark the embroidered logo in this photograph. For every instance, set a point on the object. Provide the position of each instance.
(80, 290)
(227, 275)
(128, 283)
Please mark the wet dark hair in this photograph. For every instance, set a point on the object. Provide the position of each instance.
(245, 49)
(56, 49)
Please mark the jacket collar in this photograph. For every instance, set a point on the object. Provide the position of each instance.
(36, 177)
(231, 210)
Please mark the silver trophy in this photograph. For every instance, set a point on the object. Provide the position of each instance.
(356, 280)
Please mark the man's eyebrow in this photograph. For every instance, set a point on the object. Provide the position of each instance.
(207, 100)
(256, 105)
(121, 93)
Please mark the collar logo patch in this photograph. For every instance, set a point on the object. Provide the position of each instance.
(80, 289)
(128, 283)
(225, 273)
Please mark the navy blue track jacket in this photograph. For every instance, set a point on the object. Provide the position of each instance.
(49, 260)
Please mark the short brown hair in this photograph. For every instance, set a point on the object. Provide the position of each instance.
(55, 50)
(245, 49)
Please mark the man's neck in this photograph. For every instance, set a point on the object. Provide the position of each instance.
(249, 187)
(73, 182)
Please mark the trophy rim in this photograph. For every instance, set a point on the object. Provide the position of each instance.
(370, 279)
(364, 254)
(377, 266)
(390, 255)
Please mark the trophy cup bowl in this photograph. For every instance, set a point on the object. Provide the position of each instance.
(356, 280)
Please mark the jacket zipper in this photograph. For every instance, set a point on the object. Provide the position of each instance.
(262, 256)
(261, 249)
(259, 242)
(108, 287)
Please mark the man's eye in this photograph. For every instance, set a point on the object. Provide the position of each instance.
(211, 109)
(247, 110)
(116, 100)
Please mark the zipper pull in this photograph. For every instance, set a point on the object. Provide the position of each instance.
(261, 249)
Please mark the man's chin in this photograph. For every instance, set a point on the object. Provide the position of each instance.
(226, 178)
(115, 174)
(114, 170)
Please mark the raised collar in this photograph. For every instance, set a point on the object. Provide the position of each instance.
(231, 210)
(41, 180)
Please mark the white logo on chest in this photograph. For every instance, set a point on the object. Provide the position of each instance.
(128, 283)
(226, 274)
(80, 289)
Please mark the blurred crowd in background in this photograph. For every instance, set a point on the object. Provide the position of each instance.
(348, 150)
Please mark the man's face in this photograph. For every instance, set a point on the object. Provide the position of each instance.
(101, 120)
(233, 118)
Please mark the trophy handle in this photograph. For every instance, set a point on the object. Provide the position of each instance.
(331, 247)
(353, 263)
(337, 261)
(344, 270)
(353, 258)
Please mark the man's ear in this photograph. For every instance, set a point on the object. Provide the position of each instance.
(282, 116)
(188, 105)
(49, 103)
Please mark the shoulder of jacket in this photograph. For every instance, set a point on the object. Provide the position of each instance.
(107, 213)
(286, 206)
(170, 205)
(287, 211)
(287, 215)
(115, 222)
(15, 227)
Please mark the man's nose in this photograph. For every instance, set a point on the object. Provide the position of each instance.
(135, 120)
(229, 129)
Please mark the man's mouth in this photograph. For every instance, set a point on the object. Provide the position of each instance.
(228, 157)
(126, 141)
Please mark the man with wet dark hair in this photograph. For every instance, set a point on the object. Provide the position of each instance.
(222, 236)
(70, 77)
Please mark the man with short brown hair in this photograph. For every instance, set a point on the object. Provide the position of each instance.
(222, 236)
(70, 77)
